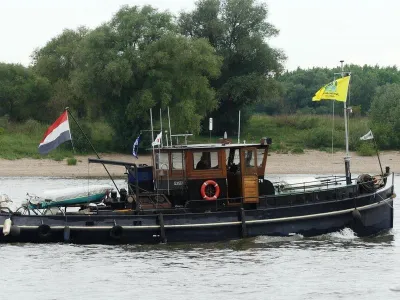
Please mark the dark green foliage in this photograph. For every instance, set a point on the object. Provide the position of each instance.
(238, 30)
(366, 149)
(322, 137)
(210, 62)
(385, 116)
(99, 133)
(310, 131)
(23, 94)
(299, 87)
(71, 161)
(297, 150)
(121, 69)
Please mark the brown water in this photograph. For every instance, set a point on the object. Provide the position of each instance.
(334, 266)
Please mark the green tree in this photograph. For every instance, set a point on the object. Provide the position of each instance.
(139, 61)
(300, 85)
(385, 116)
(56, 61)
(238, 30)
(23, 95)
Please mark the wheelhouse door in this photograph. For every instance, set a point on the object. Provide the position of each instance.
(248, 158)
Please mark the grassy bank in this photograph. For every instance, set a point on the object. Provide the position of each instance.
(20, 140)
(295, 133)
(290, 134)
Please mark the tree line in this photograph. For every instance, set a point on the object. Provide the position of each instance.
(209, 62)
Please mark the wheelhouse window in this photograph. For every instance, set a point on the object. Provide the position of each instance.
(177, 160)
(232, 156)
(260, 157)
(162, 161)
(249, 158)
(205, 160)
(232, 160)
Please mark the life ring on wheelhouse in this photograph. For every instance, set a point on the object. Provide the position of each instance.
(207, 193)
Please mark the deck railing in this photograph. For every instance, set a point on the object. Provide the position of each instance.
(326, 190)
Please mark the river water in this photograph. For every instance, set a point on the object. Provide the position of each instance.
(334, 266)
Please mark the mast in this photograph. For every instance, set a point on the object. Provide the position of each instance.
(239, 129)
(347, 157)
(169, 123)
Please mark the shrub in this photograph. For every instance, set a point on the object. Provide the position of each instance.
(71, 161)
(31, 127)
(366, 149)
(298, 150)
(100, 135)
(285, 121)
(322, 137)
(307, 122)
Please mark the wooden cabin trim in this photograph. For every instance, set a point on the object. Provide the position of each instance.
(261, 169)
(219, 172)
(177, 173)
(248, 170)
(249, 177)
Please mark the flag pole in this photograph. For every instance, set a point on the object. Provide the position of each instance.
(70, 134)
(347, 157)
(377, 154)
(91, 145)
(161, 126)
(152, 146)
(169, 123)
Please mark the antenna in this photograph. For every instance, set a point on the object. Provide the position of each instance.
(161, 127)
(151, 122)
(239, 129)
(210, 127)
(169, 122)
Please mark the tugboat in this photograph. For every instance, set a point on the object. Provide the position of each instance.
(210, 192)
(207, 192)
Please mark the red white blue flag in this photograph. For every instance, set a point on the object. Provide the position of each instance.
(57, 134)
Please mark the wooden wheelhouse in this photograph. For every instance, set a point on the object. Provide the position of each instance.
(225, 171)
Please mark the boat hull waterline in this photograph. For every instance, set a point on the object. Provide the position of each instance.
(372, 215)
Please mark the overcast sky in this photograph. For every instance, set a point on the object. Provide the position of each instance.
(312, 32)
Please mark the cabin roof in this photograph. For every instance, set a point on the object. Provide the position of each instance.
(211, 146)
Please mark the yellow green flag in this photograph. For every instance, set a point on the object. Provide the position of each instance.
(335, 90)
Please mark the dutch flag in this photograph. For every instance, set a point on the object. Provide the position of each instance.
(56, 134)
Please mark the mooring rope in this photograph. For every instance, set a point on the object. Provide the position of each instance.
(385, 200)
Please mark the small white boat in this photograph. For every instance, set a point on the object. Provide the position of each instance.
(70, 196)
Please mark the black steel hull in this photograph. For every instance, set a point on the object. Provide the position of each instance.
(366, 214)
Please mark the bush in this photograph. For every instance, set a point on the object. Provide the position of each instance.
(322, 137)
(366, 149)
(71, 161)
(100, 135)
(285, 121)
(298, 150)
(31, 127)
(307, 122)
(384, 113)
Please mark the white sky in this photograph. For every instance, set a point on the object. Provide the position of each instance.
(312, 32)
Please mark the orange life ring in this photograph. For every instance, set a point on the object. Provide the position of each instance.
(203, 190)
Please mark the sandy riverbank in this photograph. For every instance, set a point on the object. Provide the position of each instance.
(312, 162)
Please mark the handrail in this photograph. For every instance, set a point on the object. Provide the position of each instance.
(280, 186)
